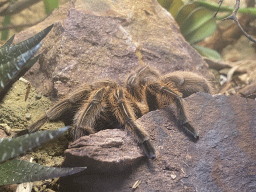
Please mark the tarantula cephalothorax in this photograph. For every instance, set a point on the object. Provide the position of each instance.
(105, 104)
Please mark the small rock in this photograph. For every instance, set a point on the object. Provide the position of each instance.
(48, 190)
(28, 116)
(24, 187)
(248, 91)
(6, 128)
(231, 91)
(35, 189)
(39, 96)
(173, 176)
(243, 78)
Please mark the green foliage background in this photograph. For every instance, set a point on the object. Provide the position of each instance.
(197, 22)
(49, 6)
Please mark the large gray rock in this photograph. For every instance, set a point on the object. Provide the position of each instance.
(223, 159)
(93, 40)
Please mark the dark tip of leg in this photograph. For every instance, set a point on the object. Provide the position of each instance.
(149, 149)
(196, 136)
(152, 156)
(189, 129)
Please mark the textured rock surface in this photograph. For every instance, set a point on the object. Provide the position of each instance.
(94, 40)
(106, 151)
(223, 159)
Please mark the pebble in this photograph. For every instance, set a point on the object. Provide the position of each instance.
(6, 128)
(28, 116)
(39, 96)
(232, 91)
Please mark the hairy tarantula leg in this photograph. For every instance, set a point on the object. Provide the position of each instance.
(181, 113)
(52, 114)
(124, 115)
(56, 111)
(34, 127)
(86, 116)
(158, 88)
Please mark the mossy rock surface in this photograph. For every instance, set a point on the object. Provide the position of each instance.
(18, 113)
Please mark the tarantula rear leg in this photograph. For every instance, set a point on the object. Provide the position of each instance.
(124, 113)
(182, 118)
(157, 88)
(187, 82)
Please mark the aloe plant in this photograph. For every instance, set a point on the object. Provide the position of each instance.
(14, 147)
(19, 171)
(15, 60)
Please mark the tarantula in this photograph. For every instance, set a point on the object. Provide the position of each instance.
(106, 104)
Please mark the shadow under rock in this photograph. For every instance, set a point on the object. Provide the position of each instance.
(90, 180)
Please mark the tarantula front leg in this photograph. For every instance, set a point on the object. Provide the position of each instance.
(57, 110)
(157, 88)
(124, 113)
(87, 115)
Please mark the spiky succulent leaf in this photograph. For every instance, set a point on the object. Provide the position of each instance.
(15, 60)
(14, 147)
(12, 70)
(18, 171)
(8, 53)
